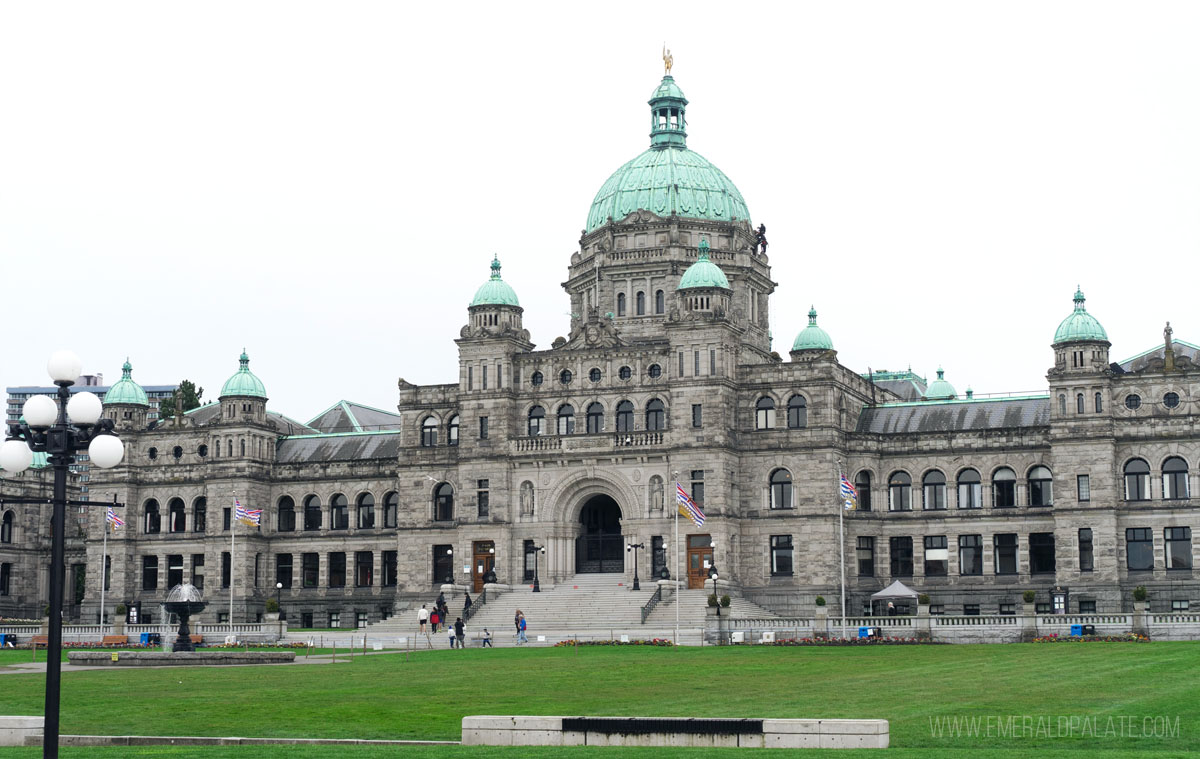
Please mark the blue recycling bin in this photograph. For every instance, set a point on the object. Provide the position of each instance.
(150, 639)
(864, 632)
(1076, 630)
(3, 639)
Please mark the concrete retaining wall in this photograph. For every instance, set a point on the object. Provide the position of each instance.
(182, 658)
(15, 730)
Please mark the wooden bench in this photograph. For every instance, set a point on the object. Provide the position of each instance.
(196, 639)
(40, 640)
(115, 640)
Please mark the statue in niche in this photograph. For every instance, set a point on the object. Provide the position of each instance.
(656, 493)
(527, 498)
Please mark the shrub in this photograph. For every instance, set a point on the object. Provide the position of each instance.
(712, 600)
(1139, 593)
(820, 600)
(1029, 595)
(923, 599)
(272, 606)
(46, 610)
(121, 609)
(725, 601)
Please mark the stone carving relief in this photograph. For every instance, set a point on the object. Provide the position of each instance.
(527, 498)
(656, 493)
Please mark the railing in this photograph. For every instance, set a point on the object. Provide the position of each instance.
(1083, 619)
(479, 601)
(649, 607)
(538, 443)
(634, 439)
(774, 623)
(1176, 619)
(876, 621)
(1004, 620)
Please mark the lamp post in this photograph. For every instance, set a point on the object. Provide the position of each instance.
(634, 547)
(537, 587)
(715, 576)
(450, 577)
(60, 429)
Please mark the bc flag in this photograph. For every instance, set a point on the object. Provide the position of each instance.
(113, 519)
(688, 507)
(249, 517)
(849, 494)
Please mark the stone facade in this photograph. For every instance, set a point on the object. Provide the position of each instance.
(25, 536)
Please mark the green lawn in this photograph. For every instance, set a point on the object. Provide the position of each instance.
(385, 697)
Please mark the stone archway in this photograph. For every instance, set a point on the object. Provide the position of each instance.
(600, 547)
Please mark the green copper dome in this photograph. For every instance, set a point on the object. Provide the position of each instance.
(812, 337)
(125, 390)
(703, 273)
(244, 382)
(1080, 325)
(940, 389)
(495, 292)
(668, 178)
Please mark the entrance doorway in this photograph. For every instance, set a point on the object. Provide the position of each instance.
(699, 559)
(600, 547)
(483, 563)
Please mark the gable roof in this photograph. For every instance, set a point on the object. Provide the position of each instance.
(338, 446)
(347, 416)
(958, 415)
(1142, 360)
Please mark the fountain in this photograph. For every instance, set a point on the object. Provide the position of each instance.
(184, 600)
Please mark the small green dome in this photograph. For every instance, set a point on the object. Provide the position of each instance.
(812, 337)
(495, 292)
(703, 273)
(940, 389)
(244, 382)
(125, 390)
(1080, 325)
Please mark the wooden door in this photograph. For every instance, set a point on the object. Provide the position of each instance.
(699, 559)
(484, 560)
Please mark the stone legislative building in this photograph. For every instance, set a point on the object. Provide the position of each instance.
(667, 374)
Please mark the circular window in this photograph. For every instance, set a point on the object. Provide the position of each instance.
(625, 372)
(536, 379)
(1133, 401)
(152, 452)
(565, 376)
(202, 450)
(594, 375)
(654, 371)
(1171, 400)
(177, 452)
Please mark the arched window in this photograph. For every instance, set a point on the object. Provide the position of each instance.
(660, 302)
(1079, 403)
(366, 511)
(285, 517)
(537, 379)
(764, 414)
(452, 431)
(6, 528)
(391, 509)
(595, 418)
(1004, 488)
(656, 415)
(640, 298)
(429, 432)
(797, 412)
(1041, 487)
(178, 518)
(620, 304)
(862, 484)
(229, 447)
(1137, 481)
(1175, 479)
(537, 420)
(900, 492)
(1099, 404)
(243, 446)
(781, 489)
(153, 518)
(625, 416)
(970, 489)
(443, 503)
(312, 513)
(339, 512)
(566, 419)
(933, 487)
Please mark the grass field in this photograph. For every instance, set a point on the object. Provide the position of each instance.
(383, 696)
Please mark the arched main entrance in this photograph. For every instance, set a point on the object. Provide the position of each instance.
(600, 546)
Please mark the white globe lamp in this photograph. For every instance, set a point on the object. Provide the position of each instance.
(64, 366)
(40, 411)
(84, 408)
(106, 451)
(15, 456)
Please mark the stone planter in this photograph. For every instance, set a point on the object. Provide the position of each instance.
(1028, 622)
(271, 617)
(667, 587)
(924, 623)
(821, 622)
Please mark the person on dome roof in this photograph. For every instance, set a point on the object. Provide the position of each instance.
(760, 240)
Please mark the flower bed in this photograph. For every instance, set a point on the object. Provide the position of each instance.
(872, 641)
(1124, 638)
(581, 643)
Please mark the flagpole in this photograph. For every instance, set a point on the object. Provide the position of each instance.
(232, 537)
(103, 566)
(842, 544)
(678, 600)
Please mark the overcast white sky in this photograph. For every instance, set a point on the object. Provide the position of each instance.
(325, 183)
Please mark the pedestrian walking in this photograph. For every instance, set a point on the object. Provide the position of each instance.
(466, 604)
(487, 639)
(422, 619)
(434, 618)
(460, 632)
(443, 610)
(450, 634)
(521, 629)
(517, 624)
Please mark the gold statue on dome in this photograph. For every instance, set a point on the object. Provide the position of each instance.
(668, 60)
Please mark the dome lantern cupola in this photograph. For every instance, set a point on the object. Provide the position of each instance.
(126, 402)
(495, 291)
(244, 383)
(940, 389)
(812, 337)
(1079, 325)
(495, 308)
(704, 287)
(668, 127)
(1080, 342)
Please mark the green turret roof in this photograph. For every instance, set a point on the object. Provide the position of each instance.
(668, 178)
(940, 389)
(244, 383)
(495, 292)
(703, 273)
(1080, 325)
(125, 390)
(812, 337)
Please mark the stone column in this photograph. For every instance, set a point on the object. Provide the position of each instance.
(821, 622)
(1028, 623)
(924, 622)
(1141, 617)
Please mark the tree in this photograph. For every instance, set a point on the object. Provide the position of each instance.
(190, 396)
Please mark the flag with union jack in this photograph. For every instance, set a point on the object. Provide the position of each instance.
(849, 494)
(688, 507)
(248, 517)
(113, 519)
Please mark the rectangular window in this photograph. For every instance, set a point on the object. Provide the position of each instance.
(198, 570)
(1179, 547)
(1085, 550)
(483, 428)
(696, 363)
(697, 415)
(971, 610)
(443, 564)
(658, 556)
(483, 498)
(389, 569)
(174, 570)
(698, 486)
(283, 569)
(310, 566)
(335, 619)
(485, 376)
(1083, 487)
(1087, 607)
(866, 556)
(364, 569)
(226, 518)
(5, 579)
(470, 378)
(712, 361)
(337, 569)
(1042, 607)
(226, 568)
(680, 363)
(1041, 553)
(1005, 551)
(1139, 549)
(499, 376)
(936, 610)
(149, 573)
(937, 556)
(970, 554)
(306, 619)
(781, 555)
(528, 553)
(360, 617)
(901, 550)
(1008, 610)
(1180, 605)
